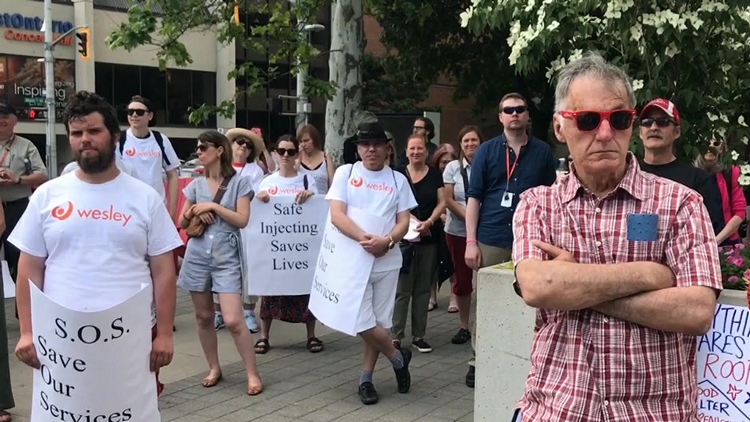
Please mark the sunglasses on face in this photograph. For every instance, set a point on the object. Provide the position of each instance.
(137, 111)
(291, 152)
(203, 147)
(716, 143)
(244, 143)
(587, 121)
(517, 109)
(660, 121)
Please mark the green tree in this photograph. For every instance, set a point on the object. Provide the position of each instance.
(429, 36)
(162, 23)
(391, 84)
(694, 52)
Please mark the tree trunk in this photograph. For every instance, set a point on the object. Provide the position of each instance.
(344, 64)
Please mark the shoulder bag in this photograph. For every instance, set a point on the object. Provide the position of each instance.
(197, 226)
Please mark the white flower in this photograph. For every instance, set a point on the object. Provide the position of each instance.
(637, 84)
(744, 180)
(735, 155)
(745, 169)
(741, 121)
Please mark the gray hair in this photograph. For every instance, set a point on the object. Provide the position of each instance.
(591, 64)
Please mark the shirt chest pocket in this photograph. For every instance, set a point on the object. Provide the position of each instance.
(635, 246)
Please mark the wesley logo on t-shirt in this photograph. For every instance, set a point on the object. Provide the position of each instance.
(62, 213)
(132, 152)
(358, 182)
(284, 191)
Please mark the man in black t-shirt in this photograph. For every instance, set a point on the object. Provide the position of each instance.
(660, 128)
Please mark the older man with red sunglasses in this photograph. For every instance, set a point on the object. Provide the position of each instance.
(621, 265)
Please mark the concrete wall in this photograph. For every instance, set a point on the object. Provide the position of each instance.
(505, 328)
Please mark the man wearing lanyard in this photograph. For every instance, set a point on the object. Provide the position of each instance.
(21, 167)
(503, 168)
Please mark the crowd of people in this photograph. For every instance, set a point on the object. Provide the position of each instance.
(621, 262)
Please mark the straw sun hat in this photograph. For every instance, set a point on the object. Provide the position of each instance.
(258, 145)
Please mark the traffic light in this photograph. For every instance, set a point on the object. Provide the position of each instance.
(84, 43)
(38, 114)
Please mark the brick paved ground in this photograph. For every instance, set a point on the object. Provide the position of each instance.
(304, 387)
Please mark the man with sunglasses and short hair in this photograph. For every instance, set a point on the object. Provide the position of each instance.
(660, 129)
(621, 265)
(503, 168)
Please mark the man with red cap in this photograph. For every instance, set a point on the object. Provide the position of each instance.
(660, 129)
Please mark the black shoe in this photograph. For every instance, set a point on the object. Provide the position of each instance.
(403, 377)
(470, 376)
(462, 336)
(367, 393)
(422, 345)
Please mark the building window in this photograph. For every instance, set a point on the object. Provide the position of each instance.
(172, 93)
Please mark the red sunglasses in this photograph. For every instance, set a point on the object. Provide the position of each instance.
(587, 121)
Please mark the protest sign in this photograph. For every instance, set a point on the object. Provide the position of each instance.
(281, 244)
(9, 288)
(94, 365)
(724, 367)
(342, 272)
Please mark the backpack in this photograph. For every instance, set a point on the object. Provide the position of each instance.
(159, 141)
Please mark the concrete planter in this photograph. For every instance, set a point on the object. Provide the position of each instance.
(505, 328)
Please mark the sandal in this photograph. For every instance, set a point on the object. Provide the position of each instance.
(262, 347)
(452, 309)
(254, 391)
(5, 416)
(314, 345)
(432, 306)
(209, 382)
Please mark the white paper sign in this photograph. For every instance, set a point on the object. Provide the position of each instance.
(342, 272)
(9, 288)
(724, 367)
(281, 245)
(94, 365)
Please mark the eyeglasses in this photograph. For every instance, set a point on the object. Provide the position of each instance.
(137, 111)
(660, 121)
(203, 147)
(588, 121)
(419, 127)
(517, 109)
(243, 143)
(716, 143)
(286, 151)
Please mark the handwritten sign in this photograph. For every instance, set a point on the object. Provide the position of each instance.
(724, 367)
(94, 365)
(342, 273)
(281, 244)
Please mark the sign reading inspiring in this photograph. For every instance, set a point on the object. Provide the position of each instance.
(94, 365)
(281, 244)
(724, 367)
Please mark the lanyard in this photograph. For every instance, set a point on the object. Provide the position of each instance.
(508, 169)
(7, 151)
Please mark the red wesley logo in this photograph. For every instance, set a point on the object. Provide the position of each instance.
(130, 152)
(273, 191)
(357, 182)
(62, 213)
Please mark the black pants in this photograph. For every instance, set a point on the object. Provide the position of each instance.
(13, 212)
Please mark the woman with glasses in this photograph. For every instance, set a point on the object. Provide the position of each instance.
(293, 309)
(220, 203)
(732, 196)
(313, 161)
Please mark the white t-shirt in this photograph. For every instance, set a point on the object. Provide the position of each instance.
(274, 184)
(384, 193)
(452, 176)
(123, 166)
(144, 155)
(252, 172)
(96, 240)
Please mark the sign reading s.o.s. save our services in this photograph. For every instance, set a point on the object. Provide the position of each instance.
(724, 367)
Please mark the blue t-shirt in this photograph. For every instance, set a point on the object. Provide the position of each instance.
(536, 166)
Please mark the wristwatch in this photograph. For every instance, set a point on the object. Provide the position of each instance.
(391, 243)
(18, 182)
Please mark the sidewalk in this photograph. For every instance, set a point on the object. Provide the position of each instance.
(300, 386)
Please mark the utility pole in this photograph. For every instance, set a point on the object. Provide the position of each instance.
(49, 83)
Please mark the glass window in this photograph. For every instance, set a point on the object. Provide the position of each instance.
(283, 80)
(104, 75)
(179, 99)
(154, 87)
(204, 92)
(126, 82)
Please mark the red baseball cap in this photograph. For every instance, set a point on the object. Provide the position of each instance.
(665, 105)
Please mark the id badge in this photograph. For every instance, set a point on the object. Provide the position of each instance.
(507, 200)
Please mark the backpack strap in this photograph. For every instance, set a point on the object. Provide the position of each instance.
(123, 138)
(304, 182)
(160, 141)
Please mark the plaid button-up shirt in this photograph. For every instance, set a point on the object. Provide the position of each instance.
(587, 366)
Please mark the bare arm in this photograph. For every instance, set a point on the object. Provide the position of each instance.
(450, 202)
(186, 215)
(30, 268)
(570, 286)
(173, 184)
(165, 292)
(472, 218)
(331, 169)
(237, 218)
(440, 208)
(33, 179)
(687, 310)
(729, 229)
(402, 226)
(269, 161)
(345, 224)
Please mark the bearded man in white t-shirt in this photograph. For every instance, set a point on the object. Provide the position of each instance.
(372, 186)
(61, 236)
